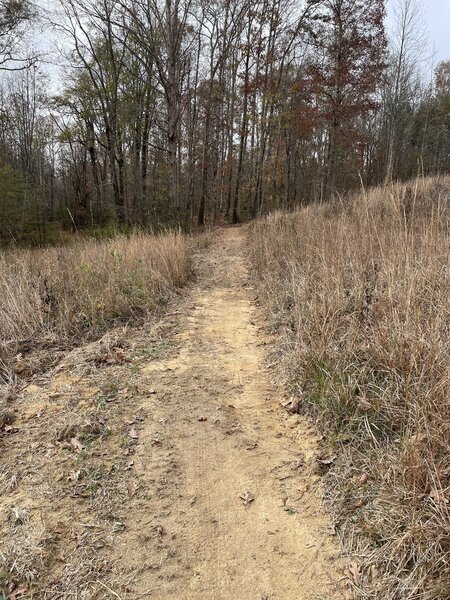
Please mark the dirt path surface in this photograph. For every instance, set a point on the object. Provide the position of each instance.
(205, 487)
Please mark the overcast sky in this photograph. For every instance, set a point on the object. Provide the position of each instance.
(439, 26)
(437, 21)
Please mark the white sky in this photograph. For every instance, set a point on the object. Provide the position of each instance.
(437, 23)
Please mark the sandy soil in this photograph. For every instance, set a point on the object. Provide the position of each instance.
(160, 464)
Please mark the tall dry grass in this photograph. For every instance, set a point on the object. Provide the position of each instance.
(359, 291)
(77, 292)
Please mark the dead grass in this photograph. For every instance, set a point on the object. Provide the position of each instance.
(67, 439)
(67, 474)
(359, 292)
(77, 292)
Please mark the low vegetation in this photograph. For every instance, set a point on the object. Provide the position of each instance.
(77, 292)
(358, 291)
(67, 437)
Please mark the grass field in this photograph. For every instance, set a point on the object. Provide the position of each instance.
(75, 293)
(359, 293)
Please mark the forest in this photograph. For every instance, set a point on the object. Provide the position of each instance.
(224, 315)
(192, 112)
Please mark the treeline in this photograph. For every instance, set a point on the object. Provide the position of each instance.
(190, 111)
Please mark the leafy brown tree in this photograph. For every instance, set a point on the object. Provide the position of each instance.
(350, 38)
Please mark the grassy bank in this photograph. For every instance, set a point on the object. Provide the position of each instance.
(77, 292)
(359, 292)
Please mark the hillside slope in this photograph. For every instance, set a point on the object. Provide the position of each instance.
(358, 291)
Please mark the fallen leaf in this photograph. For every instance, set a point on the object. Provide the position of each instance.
(327, 460)
(133, 487)
(363, 479)
(74, 476)
(247, 499)
(133, 434)
(76, 444)
(354, 572)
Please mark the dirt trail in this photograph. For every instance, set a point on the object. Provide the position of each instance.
(222, 443)
(204, 487)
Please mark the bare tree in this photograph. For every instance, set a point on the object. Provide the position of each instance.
(408, 47)
(15, 19)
